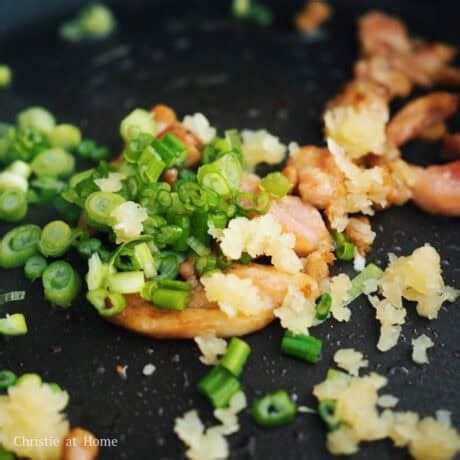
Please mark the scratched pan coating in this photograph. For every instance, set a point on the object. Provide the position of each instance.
(192, 56)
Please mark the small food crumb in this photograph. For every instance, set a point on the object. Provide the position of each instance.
(211, 347)
(121, 370)
(350, 360)
(419, 347)
(312, 16)
(387, 401)
(149, 369)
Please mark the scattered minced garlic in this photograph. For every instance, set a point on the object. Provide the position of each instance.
(356, 400)
(297, 313)
(338, 289)
(112, 183)
(417, 278)
(211, 347)
(350, 360)
(33, 409)
(199, 125)
(262, 147)
(128, 218)
(357, 131)
(260, 236)
(387, 401)
(419, 347)
(210, 444)
(234, 295)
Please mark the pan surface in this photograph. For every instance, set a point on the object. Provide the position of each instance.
(194, 57)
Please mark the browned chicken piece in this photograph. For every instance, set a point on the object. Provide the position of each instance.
(452, 145)
(379, 70)
(419, 115)
(202, 316)
(167, 122)
(316, 176)
(170, 176)
(359, 232)
(315, 13)
(437, 189)
(317, 264)
(434, 132)
(380, 34)
(79, 444)
(305, 222)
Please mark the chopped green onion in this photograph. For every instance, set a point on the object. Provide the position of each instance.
(302, 346)
(5, 455)
(6, 75)
(100, 205)
(370, 272)
(150, 165)
(7, 379)
(53, 162)
(176, 285)
(12, 296)
(89, 149)
(219, 386)
(11, 181)
(13, 205)
(61, 283)
(34, 267)
(274, 409)
(65, 136)
(204, 264)
(98, 299)
(18, 245)
(276, 183)
(93, 22)
(323, 306)
(68, 211)
(236, 356)
(20, 168)
(137, 122)
(344, 250)
(248, 202)
(136, 146)
(56, 239)
(148, 290)
(13, 324)
(126, 282)
(36, 118)
(170, 298)
(144, 257)
(88, 247)
(326, 410)
(171, 150)
(197, 246)
(49, 187)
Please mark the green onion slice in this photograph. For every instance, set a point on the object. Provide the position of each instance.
(236, 356)
(18, 245)
(302, 346)
(274, 409)
(7, 379)
(323, 306)
(219, 386)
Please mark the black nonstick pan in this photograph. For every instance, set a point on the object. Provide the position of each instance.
(194, 56)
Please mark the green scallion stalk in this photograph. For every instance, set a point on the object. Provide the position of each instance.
(65, 136)
(236, 356)
(302, 346)
(7, 379)
(344, 250)
(326, 410)
(175, 285)
(18, 245)
(170, 298)
(144, 258)
(273, 410)
(14, 324)
(34, 267)
(20, 168)
(54, 162)
(370, 272)
(150, 166)
(126, 282)
(99, 207)
(56, 239)
(137, 122)
(204, 264)
(219, 386)
(197, 246)
(36, 118)
(13, 205)
(105, 302)
(277, 184)
(323, 306)
(171, 150)
(61, 283)
(149, 288)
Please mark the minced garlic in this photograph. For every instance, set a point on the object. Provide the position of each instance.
(111, 183)
(419, 347)
(350, 360)
(128, 218)
(260, 236)
(234, 295)
(339, 287)
(262, 147)
(33, 409)
(199, 125)
(211, 348)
